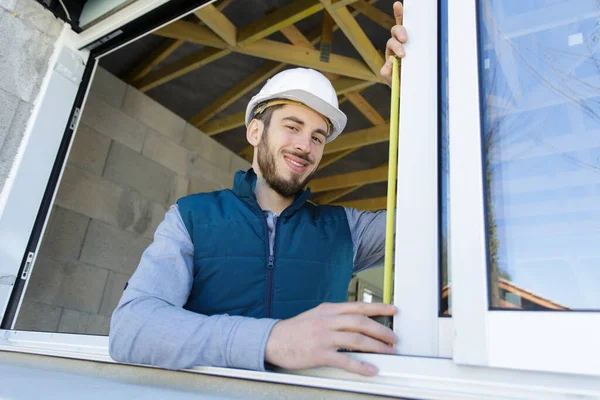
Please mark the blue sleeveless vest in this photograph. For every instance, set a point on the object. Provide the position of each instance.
(233, 274)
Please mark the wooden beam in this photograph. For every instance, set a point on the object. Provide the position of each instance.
(326, 36)
(293, 34)
(365, 177)
(333, 157)
(277, 20)
(218, 23)
(153, 59)
(339, 3)
(374, 14)
(373, 204)
(224, 124)
(365, 108)
(295, 55)
(297, 38)
(247, 153)
(343, 85)
(273, 50)
(180, 67)
(269, 69)
(191, 32)
(330, 197)
(357, 139)
(357, 37)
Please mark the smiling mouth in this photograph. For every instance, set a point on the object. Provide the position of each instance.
(295, 164)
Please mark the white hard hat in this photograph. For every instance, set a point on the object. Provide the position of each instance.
(308, 87)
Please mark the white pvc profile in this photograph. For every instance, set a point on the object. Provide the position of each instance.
(416, 289)
(117, 20)
(24, 189)
(402, 377)
(558, 342)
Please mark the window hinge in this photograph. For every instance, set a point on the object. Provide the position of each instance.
(75, 118)
(27, 267)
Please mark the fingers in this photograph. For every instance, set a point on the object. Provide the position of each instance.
(367, 309)
(393, 48)
(359, 342)
(398, 12)
(399, 33)
(365, 326)
(344, 361)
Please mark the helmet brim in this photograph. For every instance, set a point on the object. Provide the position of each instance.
(337, 118)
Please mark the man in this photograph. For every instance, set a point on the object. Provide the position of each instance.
(257, 275)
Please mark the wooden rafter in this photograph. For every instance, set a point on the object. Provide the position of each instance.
(273, 50)
(153, 59)
(365, 177)
(374, 14)
(333, 157)
(224, 124)
(333, 195)
(277, 20)
(341, 3)
(344, 19)
(357, 139)
(180, 67)
(365, 108)
(240, 89)
(218, 23)
(373, 204)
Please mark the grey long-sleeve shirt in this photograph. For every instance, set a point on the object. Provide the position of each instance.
(150, 325)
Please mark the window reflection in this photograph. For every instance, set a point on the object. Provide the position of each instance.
(446, 295)
(540, 70)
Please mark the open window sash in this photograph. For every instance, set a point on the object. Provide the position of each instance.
(488, 334)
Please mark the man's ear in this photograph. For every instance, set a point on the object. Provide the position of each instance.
(254, 132)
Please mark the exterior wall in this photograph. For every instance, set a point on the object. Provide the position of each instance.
(130, 160)
(27, 36)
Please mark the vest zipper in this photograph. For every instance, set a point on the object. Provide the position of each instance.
(270, 268)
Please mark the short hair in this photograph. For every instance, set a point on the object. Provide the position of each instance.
(267, 113)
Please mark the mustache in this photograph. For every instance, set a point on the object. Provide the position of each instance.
(302, 156)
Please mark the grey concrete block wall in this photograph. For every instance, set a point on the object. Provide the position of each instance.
(28, 33)
(131, 159)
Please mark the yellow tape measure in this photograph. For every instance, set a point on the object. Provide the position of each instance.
(388, 274)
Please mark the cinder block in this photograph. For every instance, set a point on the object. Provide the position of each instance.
(35, 15)
(114, 123)
(239, 164)
(28, 51)
(166, 152)
(202, 185)
(73, 321)
(199, 167)
(180, 189)
(8, 108)
(130, 168)
(113, 248)
(207, 148)
(36, 316)
(64, 236)
(99, 325)
(108, 87)
(89, 150)
(12, 140)
(67, 284)
(109, 202)
(146, 110)
(113, 292)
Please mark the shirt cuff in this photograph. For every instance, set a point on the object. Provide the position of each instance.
(247, 343)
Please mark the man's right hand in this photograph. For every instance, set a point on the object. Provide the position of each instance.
(313, 338)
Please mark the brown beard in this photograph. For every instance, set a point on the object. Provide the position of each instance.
(268, 168)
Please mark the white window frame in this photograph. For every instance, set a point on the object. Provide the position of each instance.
(550, 341)
(419, 376)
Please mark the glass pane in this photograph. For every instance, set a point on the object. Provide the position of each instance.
(446, 295)
(540, 63)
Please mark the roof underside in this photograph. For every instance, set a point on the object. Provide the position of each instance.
(208, 65)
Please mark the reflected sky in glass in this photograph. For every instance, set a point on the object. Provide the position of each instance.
(540, 63)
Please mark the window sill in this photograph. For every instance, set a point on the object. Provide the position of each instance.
(400, 376)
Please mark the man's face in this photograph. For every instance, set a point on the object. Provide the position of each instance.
(290, 150)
